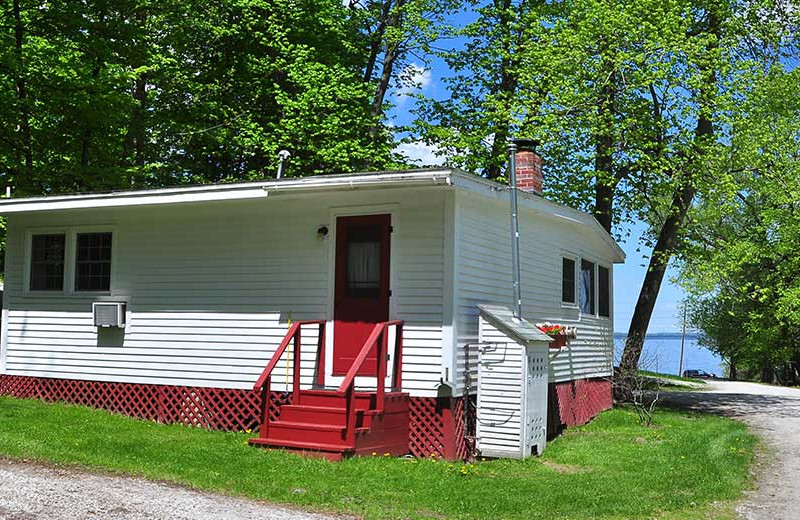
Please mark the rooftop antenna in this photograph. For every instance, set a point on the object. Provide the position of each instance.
(513, 146)
(283, 157)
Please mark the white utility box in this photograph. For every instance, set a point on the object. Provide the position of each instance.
(513, 366)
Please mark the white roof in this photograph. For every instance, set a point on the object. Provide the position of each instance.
(445, 177)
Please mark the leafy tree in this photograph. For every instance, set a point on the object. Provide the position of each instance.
(740, 265)
(633, 103)
(106, 95)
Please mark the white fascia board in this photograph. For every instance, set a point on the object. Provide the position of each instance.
(541, 205)
(222, 192)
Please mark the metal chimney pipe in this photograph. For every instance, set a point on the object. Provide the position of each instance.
(515, 270)
(283, 157)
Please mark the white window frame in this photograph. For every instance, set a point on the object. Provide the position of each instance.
(610, 290)
(26, 277)
(73, 238)
(595, 292)
(70, 248)
(576, 269)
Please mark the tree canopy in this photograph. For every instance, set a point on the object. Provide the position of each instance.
(678, 113)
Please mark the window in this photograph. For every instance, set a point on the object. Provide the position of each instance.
(93, 262)
(587, 287)
(364, 262)
(47, 262)
(603, 291)
(568, 280)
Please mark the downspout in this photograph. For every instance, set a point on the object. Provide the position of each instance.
(515, 269)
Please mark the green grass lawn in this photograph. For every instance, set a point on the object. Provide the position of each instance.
(612, 468)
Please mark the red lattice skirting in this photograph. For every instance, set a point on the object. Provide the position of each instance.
(581, 400)
(211, 408)
(441, 427)
(437, 426)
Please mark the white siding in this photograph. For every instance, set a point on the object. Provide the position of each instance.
(483, 275)
(210, 288)
(512, 396)
(499, 418)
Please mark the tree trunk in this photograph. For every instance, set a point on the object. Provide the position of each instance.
(140, 94)
(767, 372)
(377, 40)
(507, 89)
(134, 142)
(25, 182)
(668, 236)
(605, 179)
(389, 58)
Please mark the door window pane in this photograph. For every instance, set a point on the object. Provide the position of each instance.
(363, 263)
(47, 263)
(93, 262)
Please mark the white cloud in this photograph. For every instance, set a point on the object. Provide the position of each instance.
(414, 77)
(421, 153)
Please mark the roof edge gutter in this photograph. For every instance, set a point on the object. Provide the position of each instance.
(222, 192)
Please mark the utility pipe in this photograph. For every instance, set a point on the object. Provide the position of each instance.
(515, 270)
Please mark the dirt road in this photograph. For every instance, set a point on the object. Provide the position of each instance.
(30, 491)
(774, 414)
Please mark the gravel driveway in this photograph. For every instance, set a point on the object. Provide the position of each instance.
(774, 414)
(29, 491)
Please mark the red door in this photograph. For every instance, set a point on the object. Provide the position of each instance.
(361, 297)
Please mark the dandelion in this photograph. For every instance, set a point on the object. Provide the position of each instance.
(374, 453)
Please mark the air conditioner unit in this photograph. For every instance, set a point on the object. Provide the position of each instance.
(109, 314)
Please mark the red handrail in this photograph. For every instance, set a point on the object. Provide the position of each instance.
(378, 337)
(264, 381)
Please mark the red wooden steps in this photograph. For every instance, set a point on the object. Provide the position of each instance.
(317, 426)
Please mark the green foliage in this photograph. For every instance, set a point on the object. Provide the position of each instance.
(741, 264)
(108, 95)
(612, 468)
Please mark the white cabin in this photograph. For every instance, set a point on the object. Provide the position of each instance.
(211, 277)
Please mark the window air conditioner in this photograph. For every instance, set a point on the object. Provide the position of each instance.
(109, 314)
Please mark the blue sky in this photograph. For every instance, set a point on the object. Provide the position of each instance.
(627, 278)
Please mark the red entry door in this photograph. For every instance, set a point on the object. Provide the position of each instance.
(361, 297)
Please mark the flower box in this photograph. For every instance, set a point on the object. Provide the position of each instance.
(560, 334)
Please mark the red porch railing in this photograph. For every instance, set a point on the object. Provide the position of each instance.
(265, 379)
(378, 338)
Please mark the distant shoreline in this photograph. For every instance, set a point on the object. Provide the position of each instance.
(660, 335)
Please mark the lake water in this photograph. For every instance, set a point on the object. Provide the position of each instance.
(662, 354)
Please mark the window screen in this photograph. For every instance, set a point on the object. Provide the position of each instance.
(604, 294)
(93, 262)
(587, 287)
(47, 263)
(568, 280)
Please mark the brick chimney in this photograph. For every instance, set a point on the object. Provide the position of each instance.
(529, 170)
